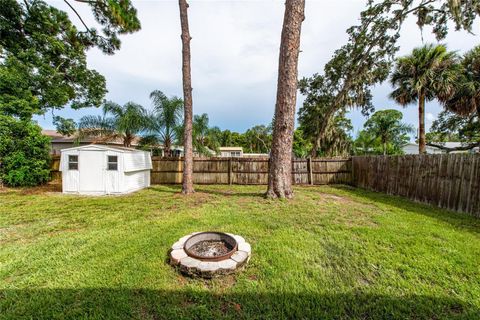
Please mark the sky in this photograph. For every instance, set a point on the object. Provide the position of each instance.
(234, 48)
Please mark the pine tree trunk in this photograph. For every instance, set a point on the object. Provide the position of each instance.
(280, 169)
(187, 187)
(421, 124)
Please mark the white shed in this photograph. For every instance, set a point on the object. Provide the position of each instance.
(98, 169)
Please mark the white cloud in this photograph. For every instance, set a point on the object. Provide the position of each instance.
(430, 117)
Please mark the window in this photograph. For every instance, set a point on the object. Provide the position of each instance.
(72, 162)
(112, 163)
(235, 154)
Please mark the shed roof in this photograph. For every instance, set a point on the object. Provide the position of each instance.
(104, 147)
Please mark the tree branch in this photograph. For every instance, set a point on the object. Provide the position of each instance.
(461, 148)
(86, 1)
(78, 15)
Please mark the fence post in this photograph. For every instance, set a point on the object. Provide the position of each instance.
(309, 169)
(229, 170)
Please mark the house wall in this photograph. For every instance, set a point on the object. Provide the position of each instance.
(413, 149)
(228, 154)
(55, 148)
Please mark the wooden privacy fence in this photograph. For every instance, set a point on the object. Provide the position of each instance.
(250, 171)
(450, 181)
(55, 173)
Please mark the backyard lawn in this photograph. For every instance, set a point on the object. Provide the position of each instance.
(332, 252)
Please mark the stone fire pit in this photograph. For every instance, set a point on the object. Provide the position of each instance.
(208, 254)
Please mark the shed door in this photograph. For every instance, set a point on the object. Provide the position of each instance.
(91, 168)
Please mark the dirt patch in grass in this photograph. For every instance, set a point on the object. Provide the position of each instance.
(43, 189)
(23, 232)
(346, 211)
(228, 306)
(193, 200)
(358, 216)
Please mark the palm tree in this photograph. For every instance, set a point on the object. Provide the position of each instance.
(167, 115)
(364, 143)
(204, 138)
(429, 72)
(466, 99)
(387, 126)
(123, 122)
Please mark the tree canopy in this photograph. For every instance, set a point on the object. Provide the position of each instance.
(167, 115)
(451, 127)
(24, 153)
(327, 133)
(460, 121)
(466, 97)
(124, 122)
(43, 55)
(386, 126)
(366, 59)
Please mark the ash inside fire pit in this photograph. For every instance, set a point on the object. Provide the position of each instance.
(211, 248)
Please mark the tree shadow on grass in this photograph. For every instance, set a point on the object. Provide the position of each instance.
(228, 192)
(108, 303)
(457, 220)
(166, 188)
(224, 190)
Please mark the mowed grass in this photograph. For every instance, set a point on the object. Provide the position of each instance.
(332, 252)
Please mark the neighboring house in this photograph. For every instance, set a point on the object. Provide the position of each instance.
(177, 151)
(256, 155)
(100, 169)
(237, 152)
(412, 148)
(60, 142)
(223, 152)
(226, 152)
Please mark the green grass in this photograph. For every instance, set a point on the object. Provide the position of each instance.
(332, 252)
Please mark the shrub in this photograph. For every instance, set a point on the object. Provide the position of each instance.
(24, 153)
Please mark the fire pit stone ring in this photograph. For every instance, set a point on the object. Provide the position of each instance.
(210, 254)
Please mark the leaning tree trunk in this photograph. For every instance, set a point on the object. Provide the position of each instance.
(421, 124)
(280, 169)
(187, 187)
